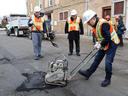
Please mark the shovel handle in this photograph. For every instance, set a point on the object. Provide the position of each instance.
(41, 32)
(55, 45)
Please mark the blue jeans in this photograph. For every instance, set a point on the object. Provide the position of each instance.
(108, 63)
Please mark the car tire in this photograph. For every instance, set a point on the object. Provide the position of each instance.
(16, 32)
(51, 38)
(7, 32)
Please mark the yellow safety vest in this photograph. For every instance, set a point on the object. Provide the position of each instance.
(38, 22)
(73, 25)
(99, 36)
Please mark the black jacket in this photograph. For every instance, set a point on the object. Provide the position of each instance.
(74, 35)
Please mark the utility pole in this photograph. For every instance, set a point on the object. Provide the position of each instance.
(86, 10)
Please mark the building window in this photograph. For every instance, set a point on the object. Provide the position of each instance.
(119, 8)
(106, 11)
(40, 4)
(50, 2)
(63, 15)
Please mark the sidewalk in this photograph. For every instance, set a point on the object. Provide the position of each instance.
(125, 40)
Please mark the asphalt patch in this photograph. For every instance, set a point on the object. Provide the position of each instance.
(35, 81)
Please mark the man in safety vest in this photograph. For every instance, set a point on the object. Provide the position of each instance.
(107, 44)
(108, 19)
(74, 27)
(93, 36)
(39, 21)
(116, 23)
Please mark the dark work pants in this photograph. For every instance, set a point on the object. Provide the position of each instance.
(94, 37)
(121, 40)
(108, 63)
(71, 45)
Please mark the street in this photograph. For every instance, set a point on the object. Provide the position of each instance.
(17, 57)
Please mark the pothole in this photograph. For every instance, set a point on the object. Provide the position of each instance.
(35, 81)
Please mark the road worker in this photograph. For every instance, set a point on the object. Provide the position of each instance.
(39, 21)
(108, 19)
(116, 23)
(74, 27)
(93, 35)
(107, 44)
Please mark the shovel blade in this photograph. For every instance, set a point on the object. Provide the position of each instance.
(54, 44)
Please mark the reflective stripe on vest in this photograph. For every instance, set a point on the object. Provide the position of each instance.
(38, 22)
(116, 26)
(110, 22)
(100, 37)
(73, 25)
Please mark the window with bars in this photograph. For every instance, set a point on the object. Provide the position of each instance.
(63, 15)
(50, 2)
(119, 7)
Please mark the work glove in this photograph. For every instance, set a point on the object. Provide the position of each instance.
(45, 35)
(31, 22)
(97, 45)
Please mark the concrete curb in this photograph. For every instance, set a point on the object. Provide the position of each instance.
(125, 40)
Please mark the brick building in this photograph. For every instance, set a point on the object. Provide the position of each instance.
(59, 10)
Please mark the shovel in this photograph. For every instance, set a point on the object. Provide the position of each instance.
(55, 45)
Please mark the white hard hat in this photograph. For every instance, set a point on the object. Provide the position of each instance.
(73, 12)
(88, 15)
(37, 9)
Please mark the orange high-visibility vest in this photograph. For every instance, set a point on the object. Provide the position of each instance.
(110, 22)
(73, 25)
(38, 22)
(116, 26)
(99, 36)
(92, 29)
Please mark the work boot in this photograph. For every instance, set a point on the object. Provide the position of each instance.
(70, 53)
(105, 83)
(78, 54)
(36, 58)
(41, 56)
(84, 74)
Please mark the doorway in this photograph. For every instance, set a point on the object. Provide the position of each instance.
(106, 11)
